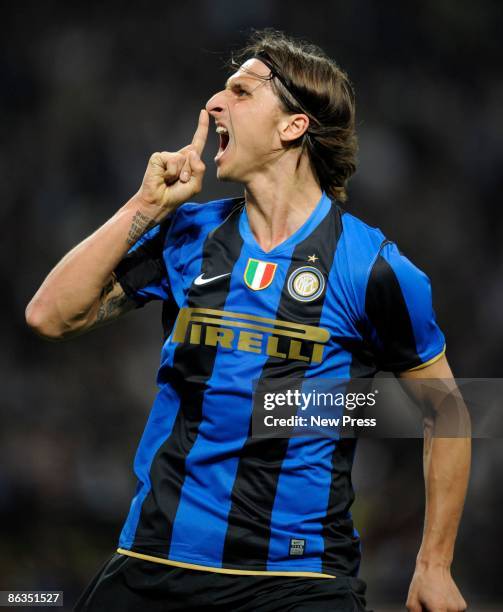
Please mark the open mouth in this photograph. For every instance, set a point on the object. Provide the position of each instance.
(223, 140)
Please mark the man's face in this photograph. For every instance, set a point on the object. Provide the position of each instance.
(247, 114)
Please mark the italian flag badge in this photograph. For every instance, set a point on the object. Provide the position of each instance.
(259, 274)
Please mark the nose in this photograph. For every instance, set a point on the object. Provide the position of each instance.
(216, 103)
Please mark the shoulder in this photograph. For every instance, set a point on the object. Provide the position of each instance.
(371, 262)
(214, 211)
(392, 263)
(192, 221)
(358, 248)
(371, 253)
(393, 279)
(361, 239)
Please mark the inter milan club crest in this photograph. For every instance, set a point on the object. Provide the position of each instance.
(306, 284)
(259, 274)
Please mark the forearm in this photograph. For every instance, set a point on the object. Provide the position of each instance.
(70, 294)
(446, 471)
(81, 291)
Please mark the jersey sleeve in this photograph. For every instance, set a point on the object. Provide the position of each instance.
(142, 272)
(401, 323)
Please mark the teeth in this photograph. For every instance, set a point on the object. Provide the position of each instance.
(222, 130)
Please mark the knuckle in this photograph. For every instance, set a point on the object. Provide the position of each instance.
(165, 156)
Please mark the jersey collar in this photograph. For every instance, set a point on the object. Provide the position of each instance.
(314, 219)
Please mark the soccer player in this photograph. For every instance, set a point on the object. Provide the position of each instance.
(279, 283)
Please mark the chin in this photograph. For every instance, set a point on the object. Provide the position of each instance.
(225, 174)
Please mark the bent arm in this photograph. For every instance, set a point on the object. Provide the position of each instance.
(446, 463)
(81, 292)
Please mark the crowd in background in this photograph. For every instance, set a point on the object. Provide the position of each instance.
(86, 96)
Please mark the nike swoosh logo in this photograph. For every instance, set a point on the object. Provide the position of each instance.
(202, 281)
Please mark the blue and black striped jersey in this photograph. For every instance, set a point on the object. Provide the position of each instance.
(333, 300)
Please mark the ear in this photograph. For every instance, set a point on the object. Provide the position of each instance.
(292, 127)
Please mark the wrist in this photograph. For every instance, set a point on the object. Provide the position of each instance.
(138, 218)
(137, 202)
(433, 561)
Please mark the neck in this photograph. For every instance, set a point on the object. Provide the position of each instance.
(278, 202)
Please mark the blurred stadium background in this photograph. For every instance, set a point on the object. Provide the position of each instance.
(86, 95)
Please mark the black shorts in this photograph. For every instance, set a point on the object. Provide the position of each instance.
(128, 584)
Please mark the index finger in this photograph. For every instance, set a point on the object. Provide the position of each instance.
(201, 133)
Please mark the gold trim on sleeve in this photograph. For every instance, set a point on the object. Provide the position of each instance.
(429, 362)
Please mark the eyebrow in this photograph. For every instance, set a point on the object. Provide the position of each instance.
(229, 83)
(251, 76)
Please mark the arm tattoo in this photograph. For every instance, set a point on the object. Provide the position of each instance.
(141, 223)
(109, 307)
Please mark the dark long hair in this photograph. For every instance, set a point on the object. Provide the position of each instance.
(307, 81)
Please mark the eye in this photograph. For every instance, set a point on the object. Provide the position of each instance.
(240, 92)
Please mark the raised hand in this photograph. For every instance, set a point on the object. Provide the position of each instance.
(173, 178)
